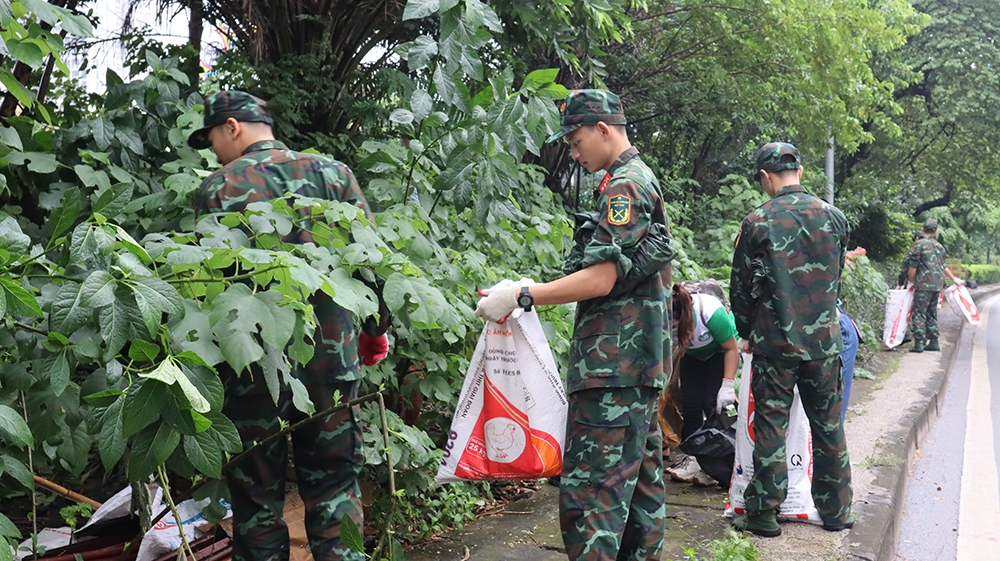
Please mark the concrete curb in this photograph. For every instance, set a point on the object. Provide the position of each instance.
(875, 539)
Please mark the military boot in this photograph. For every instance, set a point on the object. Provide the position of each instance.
(932, 345)
(763, 524)
(918, 346)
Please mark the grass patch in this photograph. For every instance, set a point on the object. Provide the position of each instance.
(735, 547)
(880, 460)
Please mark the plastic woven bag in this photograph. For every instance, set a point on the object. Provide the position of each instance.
(962, 303)
(897, 315)
(798, 503)
(511, 417)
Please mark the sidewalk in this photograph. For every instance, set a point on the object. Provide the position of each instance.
(886, 421)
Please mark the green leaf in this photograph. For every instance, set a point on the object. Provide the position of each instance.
(13, 427)
(143, 401)
(350, 535)
(98, 289)
(203, 378)
(478, 14)
(89, 241)
(111, 440)
(64, 216)
(22, 94)
(150, 449)
(169, 373)
(235, 317)
(78, 25)
(12, 238)
(427, 301)
(201, 422)
(7, 529)
(10, 137)
(401, 116)
(68, 311)
(120, 322)
(113, 201)
(203, 452)
(193, 333)
(143, 351)
(420, 53)
(421, 104)
(103, 131)
(92, 177)
(224, 432)
(103, 398)
(27, 52)
(58, 368)
(417, 9)
(20, 472)
(541, 77)
(19, 300)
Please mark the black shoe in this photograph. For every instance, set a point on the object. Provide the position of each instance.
(838, 526)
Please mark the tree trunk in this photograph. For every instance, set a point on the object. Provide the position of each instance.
(943, 200)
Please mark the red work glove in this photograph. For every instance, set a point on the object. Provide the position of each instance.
(372, 348)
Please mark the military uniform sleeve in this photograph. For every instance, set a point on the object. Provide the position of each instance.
(741, 281)
(206, 201)
(624, 211)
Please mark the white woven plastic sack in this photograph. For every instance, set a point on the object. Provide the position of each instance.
(511, 417)
(897, 316)
(798, 504)
(962, 303)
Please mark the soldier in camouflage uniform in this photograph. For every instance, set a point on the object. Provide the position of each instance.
(926, 276)
(784, 288)
(328, 453)
(612, 493)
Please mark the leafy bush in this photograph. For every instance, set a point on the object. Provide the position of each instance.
(863, 291)
(984, 274)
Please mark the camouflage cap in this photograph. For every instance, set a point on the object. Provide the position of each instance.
(930, 225)
(221, 106)
(770, 155)
(917, 234)
(588, 107)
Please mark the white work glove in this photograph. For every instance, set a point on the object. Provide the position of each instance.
(498, 302)
(958, 281)
(726, 396)
(743, 345)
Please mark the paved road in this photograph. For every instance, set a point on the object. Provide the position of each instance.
(952, 509)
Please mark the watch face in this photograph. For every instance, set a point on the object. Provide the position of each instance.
(524, 300)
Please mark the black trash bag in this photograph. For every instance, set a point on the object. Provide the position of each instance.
(714, 446)
(971, 284)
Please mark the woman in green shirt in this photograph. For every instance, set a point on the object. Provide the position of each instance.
(706, 333)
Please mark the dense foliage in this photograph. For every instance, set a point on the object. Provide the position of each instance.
(117, 305)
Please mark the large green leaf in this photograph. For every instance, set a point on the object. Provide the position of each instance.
(193, 332)
(104, 132)
(240, 310)
(64, 216)
(420, 53)
(19, 300)
(17, 470)
(151, 448)
(203, 452)
(154, 296)
(68, 312)
(57, 367)
(417, 9)
(13, 427)
(98, 289)
(15, 87)
(7, 529)
(12, 238)
(90, 241)
(224, 432)
(143, 401)
(113, 201)
(203, 378)
(350, 535)
(111, 439)
(169, 373)
(120, 321)
(425, 303)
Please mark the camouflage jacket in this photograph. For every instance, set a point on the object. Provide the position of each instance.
(269, 170)
(786, 276)
(623, 340)
(928, 258)
(904, 271)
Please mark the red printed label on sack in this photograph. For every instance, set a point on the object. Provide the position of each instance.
(503, 446)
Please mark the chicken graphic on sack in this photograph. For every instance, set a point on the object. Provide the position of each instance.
(500, 440)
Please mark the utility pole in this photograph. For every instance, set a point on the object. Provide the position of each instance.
(829, 171)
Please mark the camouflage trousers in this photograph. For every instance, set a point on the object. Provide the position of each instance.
(328, 455)
(820, 386)
(923, 317)
(612, 494)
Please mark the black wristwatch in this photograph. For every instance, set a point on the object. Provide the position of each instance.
(525, 300)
